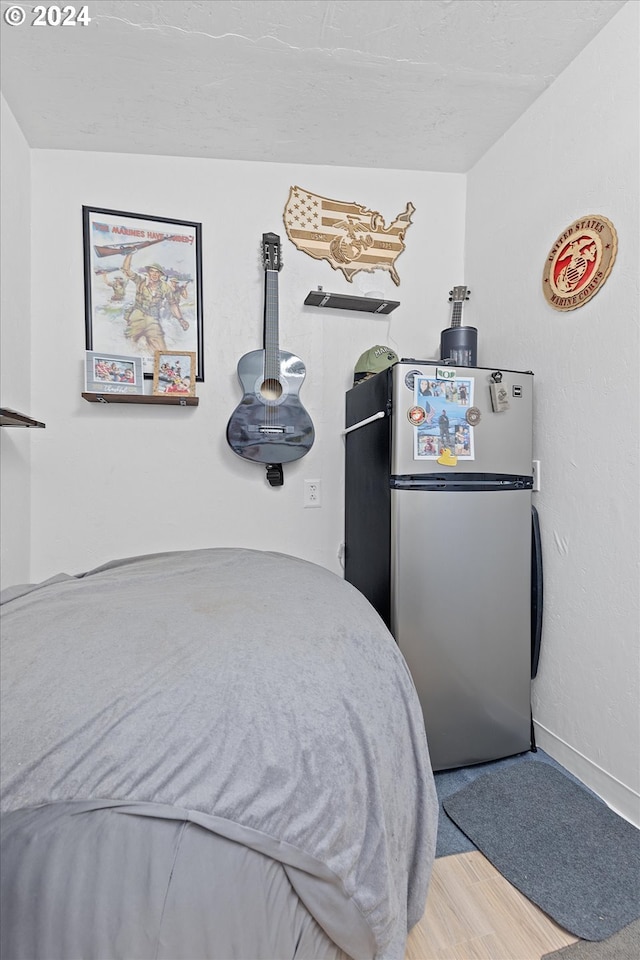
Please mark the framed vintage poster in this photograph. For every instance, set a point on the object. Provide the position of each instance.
(174, 373)
(143, 285)
(113, 373)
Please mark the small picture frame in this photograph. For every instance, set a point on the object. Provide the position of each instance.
(174, 373)
(113, 373)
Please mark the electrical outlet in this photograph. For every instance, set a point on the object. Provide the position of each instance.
(312, 493)
(535, 465)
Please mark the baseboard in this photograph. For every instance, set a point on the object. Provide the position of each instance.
(617, 795)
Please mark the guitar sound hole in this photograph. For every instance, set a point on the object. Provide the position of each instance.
(271, 389)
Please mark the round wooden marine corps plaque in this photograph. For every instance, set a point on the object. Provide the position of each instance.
(579, 262)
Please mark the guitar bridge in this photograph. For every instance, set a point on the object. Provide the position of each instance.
(270, 430)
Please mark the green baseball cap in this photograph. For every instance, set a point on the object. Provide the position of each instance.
(373, 361)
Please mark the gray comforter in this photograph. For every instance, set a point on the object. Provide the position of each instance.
(253, 694)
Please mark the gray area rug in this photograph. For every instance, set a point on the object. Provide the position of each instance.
(624, 945)
(452, 840)
(561, 846)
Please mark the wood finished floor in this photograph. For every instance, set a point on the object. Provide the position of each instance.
(473, 913)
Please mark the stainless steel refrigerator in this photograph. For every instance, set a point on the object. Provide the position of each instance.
(441, 537)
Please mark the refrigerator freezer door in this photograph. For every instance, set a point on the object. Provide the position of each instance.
(501, 441)
(460, 612)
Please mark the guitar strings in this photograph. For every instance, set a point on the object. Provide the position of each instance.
(272, 412)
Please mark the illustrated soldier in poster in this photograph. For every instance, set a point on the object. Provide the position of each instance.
(152, 292)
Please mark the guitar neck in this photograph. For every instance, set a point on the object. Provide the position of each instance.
(271, 336)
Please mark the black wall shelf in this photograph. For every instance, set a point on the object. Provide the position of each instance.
(345, 301)
(176, 400)
(11, 418)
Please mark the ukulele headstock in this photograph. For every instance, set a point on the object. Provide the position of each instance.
(459, 294)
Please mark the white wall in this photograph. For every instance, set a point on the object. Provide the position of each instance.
(113, 481)
(575, 152)
(15, 348)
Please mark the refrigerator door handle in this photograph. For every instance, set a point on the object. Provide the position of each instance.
(362, 423)
(536, 591)
(460, 482)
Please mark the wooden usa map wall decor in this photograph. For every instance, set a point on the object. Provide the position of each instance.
(347, 235)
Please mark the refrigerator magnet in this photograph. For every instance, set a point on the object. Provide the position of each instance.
(410, 379)
(499, 397)
(473, 416)
(446, 458)
(416, 415)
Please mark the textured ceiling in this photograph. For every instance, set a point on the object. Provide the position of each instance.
(403, 85)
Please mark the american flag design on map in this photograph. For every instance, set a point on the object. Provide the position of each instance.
(349, 236)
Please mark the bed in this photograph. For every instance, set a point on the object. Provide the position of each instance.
(208, 754)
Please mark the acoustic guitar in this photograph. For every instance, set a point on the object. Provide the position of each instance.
(270, 425)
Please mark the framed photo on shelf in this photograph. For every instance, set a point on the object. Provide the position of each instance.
(174, 374)
(143, 286)
(112, 373)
